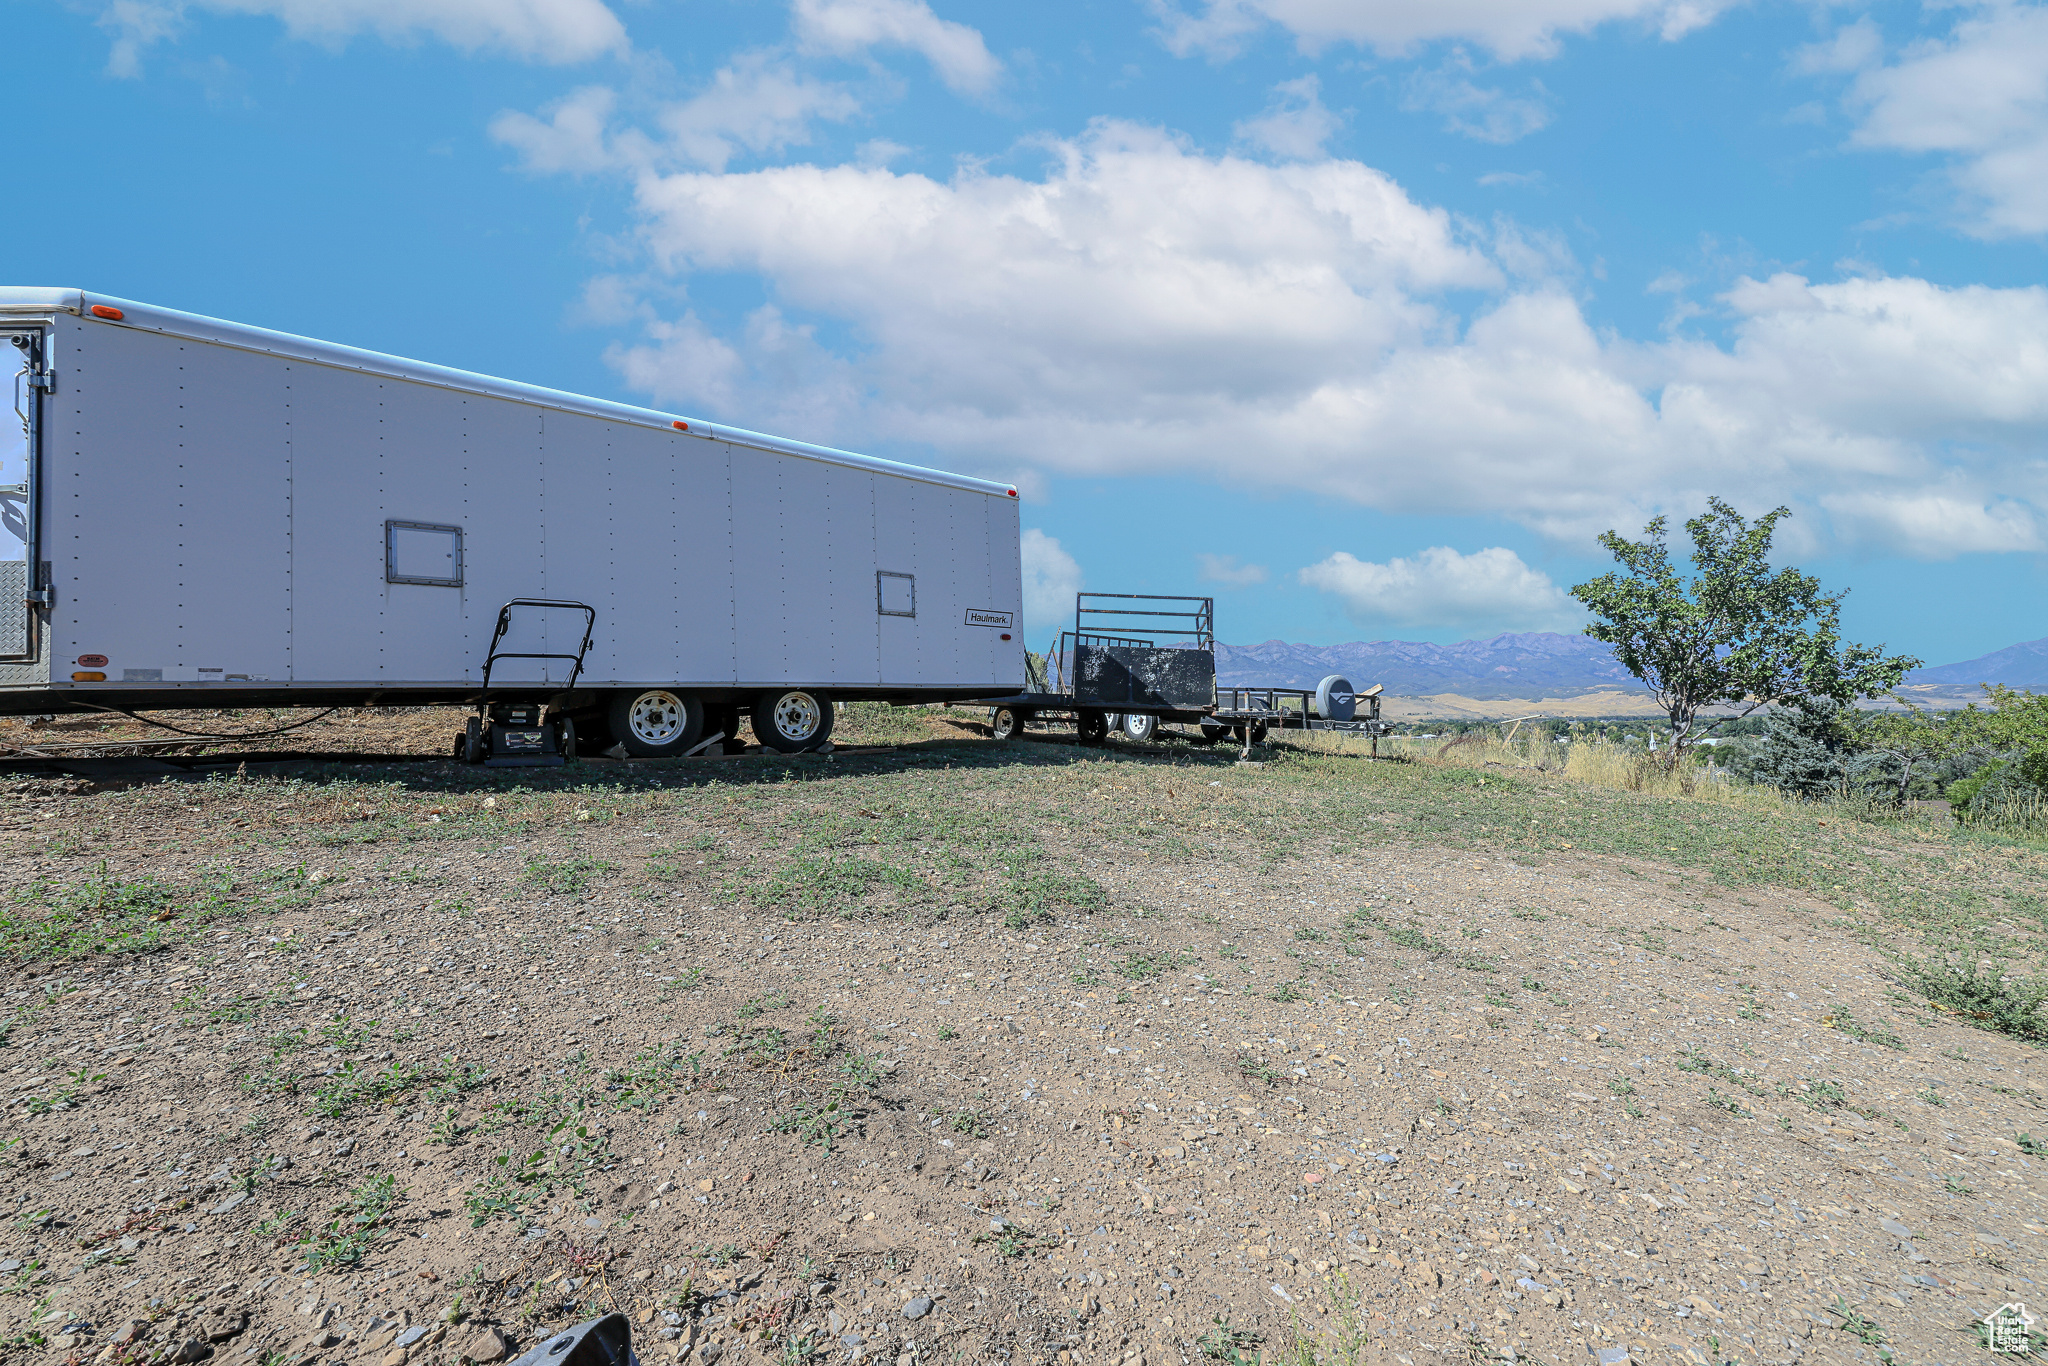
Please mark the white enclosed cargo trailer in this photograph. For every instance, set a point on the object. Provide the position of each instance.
(198, 514)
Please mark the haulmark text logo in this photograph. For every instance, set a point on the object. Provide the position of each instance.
(982, 616)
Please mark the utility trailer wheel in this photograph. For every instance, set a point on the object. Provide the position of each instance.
(792, 721)
(1140, 727)
(1004, 723)
(1115, 721)
(657, 723)
(1213, 733)
(1258, 736)
(1092, 727)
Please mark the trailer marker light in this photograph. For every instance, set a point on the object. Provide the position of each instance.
(682, 426)
(1006, 635)
(92, 677)
(92, 661)
(1013, 493)
(112, 315)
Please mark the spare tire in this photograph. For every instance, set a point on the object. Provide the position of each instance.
(1336, 699)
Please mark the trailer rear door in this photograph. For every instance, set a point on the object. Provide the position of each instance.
(15, 473)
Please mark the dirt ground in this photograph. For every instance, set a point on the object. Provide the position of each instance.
(421, 1066)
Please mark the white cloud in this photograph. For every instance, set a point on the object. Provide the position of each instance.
(1226, 569)
(1142, 309)
(1441, 587)
(1295, 125)
(1852, 47)
(1933, 524)
(1510, 29)
(557, 31)
(1981, 98)
(572, 139)
(1051, 578)
(758, 104)
(846, 28)
(1489, 115)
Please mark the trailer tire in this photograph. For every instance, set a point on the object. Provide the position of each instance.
(1140, 727)
(792, 721)
(1092, 727)
(1004, 722)
(1115, 721)
(656, 723)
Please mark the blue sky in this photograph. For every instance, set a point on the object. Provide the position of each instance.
(1367, 316)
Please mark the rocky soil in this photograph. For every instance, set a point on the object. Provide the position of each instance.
(419, 1068)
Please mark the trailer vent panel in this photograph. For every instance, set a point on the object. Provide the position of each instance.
(423, 552)
(895, 594)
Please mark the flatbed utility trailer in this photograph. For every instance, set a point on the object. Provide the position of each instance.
(1136, 662)
(209, 515)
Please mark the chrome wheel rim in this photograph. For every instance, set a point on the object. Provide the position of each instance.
(657, 718)
(796, 715)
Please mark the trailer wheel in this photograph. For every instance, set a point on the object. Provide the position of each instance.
(1092, 727)
(1003, 723)
(657, 723)
(1114, 721)
(1140, 727)
(792, 721)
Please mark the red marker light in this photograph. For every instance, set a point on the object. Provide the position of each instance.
(682, 426)
(1006, 635)
(1013, 493)
(92, 661)
(112, 315)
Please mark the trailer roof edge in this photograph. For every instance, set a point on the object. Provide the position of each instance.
(26, 299)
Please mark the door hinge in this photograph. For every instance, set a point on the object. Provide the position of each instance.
(45, 380)
(40, 597)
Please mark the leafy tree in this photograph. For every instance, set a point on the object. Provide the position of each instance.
(1736, 634)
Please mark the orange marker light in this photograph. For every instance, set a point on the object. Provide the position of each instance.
(88, 678)
(682, 426)
(112, 315)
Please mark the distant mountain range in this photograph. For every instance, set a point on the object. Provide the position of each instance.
(1531, 664)
(2017, 666)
